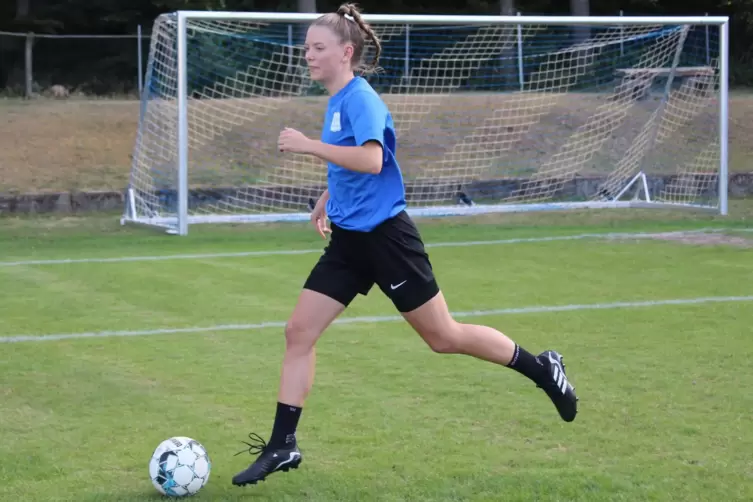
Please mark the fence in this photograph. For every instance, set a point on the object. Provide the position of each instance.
(61, 54)
(68, 64)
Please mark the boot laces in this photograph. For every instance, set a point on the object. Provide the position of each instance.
(256, 446)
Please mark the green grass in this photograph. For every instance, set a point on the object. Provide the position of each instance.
(665, 401)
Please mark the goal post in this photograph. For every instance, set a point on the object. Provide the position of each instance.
(492, 113)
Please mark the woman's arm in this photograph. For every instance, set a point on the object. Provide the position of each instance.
(362, 159)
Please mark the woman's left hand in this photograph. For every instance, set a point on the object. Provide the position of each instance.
(294, 141)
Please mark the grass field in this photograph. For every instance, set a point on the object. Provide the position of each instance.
(664, 387)
(49, 145)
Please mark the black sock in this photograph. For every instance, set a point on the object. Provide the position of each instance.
(286, 422)
(529, 365)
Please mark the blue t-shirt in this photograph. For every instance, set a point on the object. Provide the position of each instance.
(361, 201)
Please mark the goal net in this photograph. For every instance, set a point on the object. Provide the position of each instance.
(514, 114)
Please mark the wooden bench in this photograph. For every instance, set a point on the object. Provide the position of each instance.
(640, 79)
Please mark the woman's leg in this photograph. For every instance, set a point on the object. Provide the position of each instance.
(313, 313)
(332, 284)
(434, 323)
(405, 274)
(443, 334)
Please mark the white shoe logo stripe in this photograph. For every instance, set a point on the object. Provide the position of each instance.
(293, 455)
(560, 378)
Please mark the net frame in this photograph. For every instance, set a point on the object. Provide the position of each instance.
(179, 223)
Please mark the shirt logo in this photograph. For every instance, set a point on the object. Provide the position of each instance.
(335, 125)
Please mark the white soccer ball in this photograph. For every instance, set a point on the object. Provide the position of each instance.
(179, 467)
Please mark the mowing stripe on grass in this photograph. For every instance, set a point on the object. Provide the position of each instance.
(281, 252)
(379, 319)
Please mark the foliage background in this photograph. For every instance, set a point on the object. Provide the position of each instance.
(108, 66)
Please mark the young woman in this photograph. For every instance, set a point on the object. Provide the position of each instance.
(373, 241)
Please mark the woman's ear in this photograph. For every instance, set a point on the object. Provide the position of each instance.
(348, 53)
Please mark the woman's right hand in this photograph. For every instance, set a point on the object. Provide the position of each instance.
(319, 215)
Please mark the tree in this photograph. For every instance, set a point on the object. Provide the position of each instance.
(23, 8)
(580, 8)
(507, 7)
(306, 5)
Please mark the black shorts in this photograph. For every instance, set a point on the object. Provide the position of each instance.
(392, 256)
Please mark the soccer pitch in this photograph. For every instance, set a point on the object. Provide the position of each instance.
(156, 336)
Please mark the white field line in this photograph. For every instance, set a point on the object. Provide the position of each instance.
(380, 319)
(281, 252)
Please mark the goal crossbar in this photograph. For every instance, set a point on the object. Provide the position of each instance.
(143, 203)
(439, 19)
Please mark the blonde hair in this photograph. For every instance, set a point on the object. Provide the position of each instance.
(350, 27)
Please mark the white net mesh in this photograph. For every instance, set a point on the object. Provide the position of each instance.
(498, 114)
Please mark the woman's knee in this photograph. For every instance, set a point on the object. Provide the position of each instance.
(311, 316)
(433, 322)
(299, 336)
(444, 339)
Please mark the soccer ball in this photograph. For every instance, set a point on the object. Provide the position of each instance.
(179, 467)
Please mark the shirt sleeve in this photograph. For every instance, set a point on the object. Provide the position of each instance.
(368, 117)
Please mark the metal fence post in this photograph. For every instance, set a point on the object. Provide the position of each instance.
(28, 65)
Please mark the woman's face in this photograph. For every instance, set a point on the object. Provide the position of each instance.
(326, 56)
